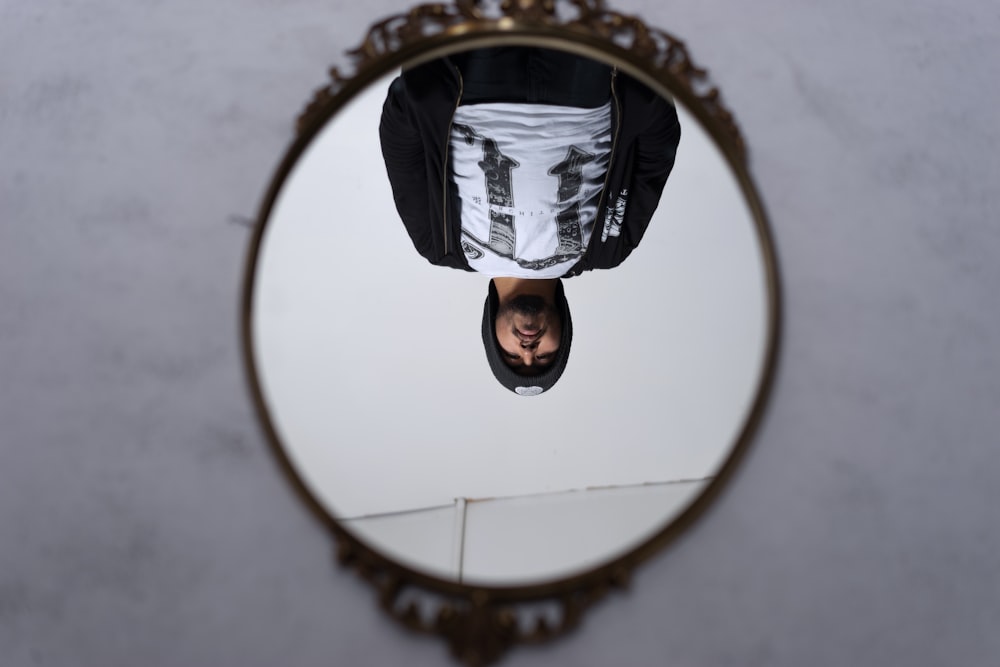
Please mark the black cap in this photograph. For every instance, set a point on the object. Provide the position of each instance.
(525, 385)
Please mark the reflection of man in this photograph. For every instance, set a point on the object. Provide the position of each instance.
(527, 165)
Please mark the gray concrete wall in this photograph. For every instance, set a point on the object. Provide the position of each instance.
(142, 518)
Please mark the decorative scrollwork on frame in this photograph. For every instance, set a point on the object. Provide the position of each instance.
(662, 55)
(478, 625)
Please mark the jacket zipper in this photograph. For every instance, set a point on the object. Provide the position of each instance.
(614, 146)
(447, 144)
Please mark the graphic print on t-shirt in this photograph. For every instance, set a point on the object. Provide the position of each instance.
(570, 173)
(529, 177)
(499, 193)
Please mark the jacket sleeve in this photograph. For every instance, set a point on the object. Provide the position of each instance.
(403, 152)
(654, 152)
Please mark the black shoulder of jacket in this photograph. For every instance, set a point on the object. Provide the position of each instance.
(649, 133)
(412, 131)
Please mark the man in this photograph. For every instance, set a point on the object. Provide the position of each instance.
(528, 165)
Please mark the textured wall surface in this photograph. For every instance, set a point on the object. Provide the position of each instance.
(142, 518)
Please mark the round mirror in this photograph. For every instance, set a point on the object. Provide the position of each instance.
(511, 311)
(372, 363)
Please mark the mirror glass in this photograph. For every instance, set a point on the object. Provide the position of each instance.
(372, 370)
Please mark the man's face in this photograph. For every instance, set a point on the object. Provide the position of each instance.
(528, 330)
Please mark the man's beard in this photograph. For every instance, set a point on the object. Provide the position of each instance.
(528, 305)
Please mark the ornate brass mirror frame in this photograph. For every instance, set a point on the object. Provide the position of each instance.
(482, 622)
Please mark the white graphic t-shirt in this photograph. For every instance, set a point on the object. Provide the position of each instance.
(529, 177)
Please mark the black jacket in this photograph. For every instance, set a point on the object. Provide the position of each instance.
(415, 131)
